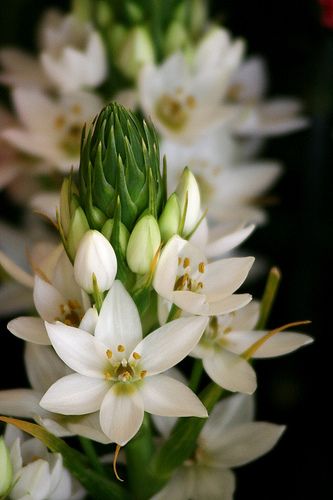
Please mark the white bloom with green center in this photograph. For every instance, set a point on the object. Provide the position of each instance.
(57, 297)
(227, 337)
(51, 127)
(182, 97)
(44, 368)
(229, 439)
(118, 372)
(184, 278)
(38, 474)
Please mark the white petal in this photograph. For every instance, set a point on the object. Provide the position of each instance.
(29, 329)
(230, 371)
(34, 482)
(75, 395)
(228, 413)
(227, 242)
(121, 414)
(89, 320)
(225, 276)
(228, 304)
(88, 426)
(213, 483)
(166, 270)
(43, 366)
(178, 487)
(279, 344)
(119, 321)
(166, 396)
(247, 317)
(246, 442)
(48, 300)
(168, 345)
(16, 271)
(22, 403)
(78, 349)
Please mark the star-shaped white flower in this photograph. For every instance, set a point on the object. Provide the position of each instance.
(118, 372)
(184, 98)
(38, 474)
(51, 127)
(184, 278)
(229, 439)
(228, 337)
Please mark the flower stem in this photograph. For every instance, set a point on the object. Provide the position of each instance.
(272, 285)
(196, 373)
(91, 454)
(139, 451)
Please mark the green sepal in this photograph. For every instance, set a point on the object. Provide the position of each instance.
(103, 193)
(129, 210)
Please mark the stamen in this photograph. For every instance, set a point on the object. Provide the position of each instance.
(227, 330)
(116, 453)
(179, 261)
(191, 101)
(200, 285)
(74, 304)
(143, 373)
(59, 121)
(120, 348)
(76, 108)
(186, 262)
(136, 355)
(109, 354)
(201, 267)
(108, 376)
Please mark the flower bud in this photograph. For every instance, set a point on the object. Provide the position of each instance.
(95, 257)
(143, 244)
(170, 218)
(137, 51)
(123, 234)
(6, 469)
(188, 189)
(176, 37)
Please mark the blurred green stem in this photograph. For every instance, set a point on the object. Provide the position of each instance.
(272, 285)
(90, 452)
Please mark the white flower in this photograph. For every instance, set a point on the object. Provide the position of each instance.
(44, 368)
(38, 474)
(184, 98)
(118, 372)
(228, 337)
(95, 257)
(73, 55)
(20, 69)
(184, 278)
(229, 439)
(51, 127)
(57, 297)
(230, 186)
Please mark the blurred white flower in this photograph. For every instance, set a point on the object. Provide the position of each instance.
(228, 337)
(51, 127)
(118, 372)
(229, 439)
(20, 69)
(184, 278)
(185, 98)
(38, 474)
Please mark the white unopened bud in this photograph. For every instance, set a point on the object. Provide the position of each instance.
(6, 469)
(136, 51)
(170, 218)
(95, 257)
(188, 189)
(143, 244)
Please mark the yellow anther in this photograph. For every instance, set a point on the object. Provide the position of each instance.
(201, 267)
(227, 330)
(191, 101)
(74, 304)
(200, 285)
(109, 354)
(59, 121)
(108, 376)
(186, 262)
(136, 355)
(179, 261)
(76, 108)
(120, 348)
(143, 373)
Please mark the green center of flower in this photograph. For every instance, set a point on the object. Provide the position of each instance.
(173, 111)
(124, 370)
(215, 336)
(189, 278)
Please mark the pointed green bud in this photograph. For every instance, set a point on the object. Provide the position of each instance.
(136, 51)
(143, 244)
(79, 226)
(123, 234)
(189, 199)
(119, 160)
(6, 469)
(170, 218)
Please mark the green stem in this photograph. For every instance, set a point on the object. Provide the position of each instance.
(268, 298)
(139, 451)
(174, 313)
(91, 454)
(196, 373)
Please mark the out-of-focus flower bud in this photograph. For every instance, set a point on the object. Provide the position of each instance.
(170, 218)
(176, 37)
(143, 244)
(189, 199)
(6, 470)
(123, 234)
(137, 50)
(95, 257)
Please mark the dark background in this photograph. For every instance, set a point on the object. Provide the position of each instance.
(294, 390)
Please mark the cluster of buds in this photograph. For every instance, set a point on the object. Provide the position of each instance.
(115, 219)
